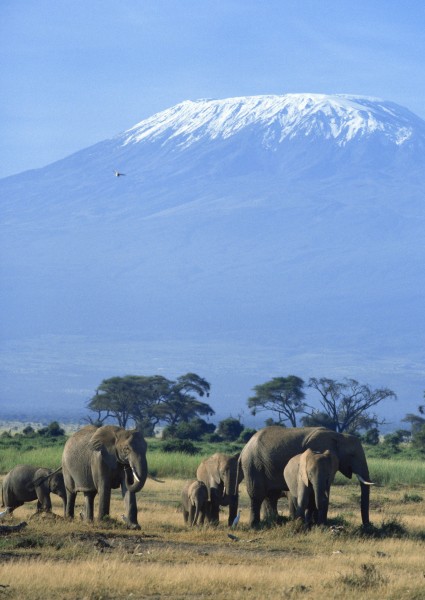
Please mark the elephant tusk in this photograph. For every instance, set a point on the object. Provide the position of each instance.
(135, 475)
(360, 478)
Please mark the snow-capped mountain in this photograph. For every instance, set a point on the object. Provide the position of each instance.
(249, 237)
(341, 118)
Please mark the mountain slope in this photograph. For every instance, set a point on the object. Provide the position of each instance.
(255, 236)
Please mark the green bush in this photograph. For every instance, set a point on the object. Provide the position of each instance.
(230, 429)
(185, 446)
(246, 435)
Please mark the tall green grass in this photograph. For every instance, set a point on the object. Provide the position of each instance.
(49, 457)
(383, 471)
(397, 472)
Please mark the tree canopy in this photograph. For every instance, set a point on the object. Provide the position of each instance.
(346, 403)
(282, 395)
(149, 400)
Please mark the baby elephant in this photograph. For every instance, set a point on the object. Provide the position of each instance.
(195, 502)
(309, 477)
(25, 483)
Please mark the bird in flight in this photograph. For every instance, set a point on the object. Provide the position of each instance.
(118, 174)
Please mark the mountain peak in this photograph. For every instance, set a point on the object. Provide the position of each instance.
(341, 118)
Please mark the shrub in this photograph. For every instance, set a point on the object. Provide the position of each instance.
(192, 430)
(418, 439)
(185, 446)
(246, 435)
(230, 429)
(53, 429)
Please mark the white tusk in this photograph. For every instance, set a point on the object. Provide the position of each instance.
(135, 475)
(360, 478)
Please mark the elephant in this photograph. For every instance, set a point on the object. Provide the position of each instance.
(267, 453)
(220, 474)
(98, 459)
(26, 483)
(195, 502)
(309, 477)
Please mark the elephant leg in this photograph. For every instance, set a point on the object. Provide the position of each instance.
(185, 516)
(104, 491)
(214, 512)
(292, 504)
(254, 519)
(270, 505)
(70, 504)
(89, 505)
(130, 505)
(192, 515)
(64, 507)
(233, 509)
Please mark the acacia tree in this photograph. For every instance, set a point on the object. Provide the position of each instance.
(181, 405)
(346, 403)
(283, 396)
(148, 400)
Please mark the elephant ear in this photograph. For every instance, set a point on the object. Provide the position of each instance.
(302, 472)
(103, 440)
(42, 478)
(334, 463)
(213, 469)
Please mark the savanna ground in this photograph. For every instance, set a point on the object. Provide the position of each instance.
(53, 558)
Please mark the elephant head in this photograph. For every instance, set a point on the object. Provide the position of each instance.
(54, 481)
(123, 450)
(318, 467)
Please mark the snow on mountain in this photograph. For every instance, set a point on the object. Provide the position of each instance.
(250, 237)
(338, 117)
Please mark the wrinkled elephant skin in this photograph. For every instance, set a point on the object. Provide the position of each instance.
(26, 483)
(96, 460)
(309, 477)
(267, 453)
(220, 474)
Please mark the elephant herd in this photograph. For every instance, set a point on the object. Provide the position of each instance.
(300, 463)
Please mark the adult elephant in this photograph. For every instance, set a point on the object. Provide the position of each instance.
(96, 460)
(220, 474)
(267, 453)
(26, 483)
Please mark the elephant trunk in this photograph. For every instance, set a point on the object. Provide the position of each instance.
(364, 503)
(136, 473)
(321, 500)
(364, 497)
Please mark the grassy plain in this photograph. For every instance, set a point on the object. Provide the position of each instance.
(53, 558)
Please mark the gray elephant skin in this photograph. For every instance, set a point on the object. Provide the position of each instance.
(96, 460)
(26, 483)
(309, 477)
(267, 453)
(220, 474)
(195, 502)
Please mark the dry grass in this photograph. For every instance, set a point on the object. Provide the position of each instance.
(53, 558)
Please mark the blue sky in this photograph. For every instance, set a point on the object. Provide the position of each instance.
(74, 73)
